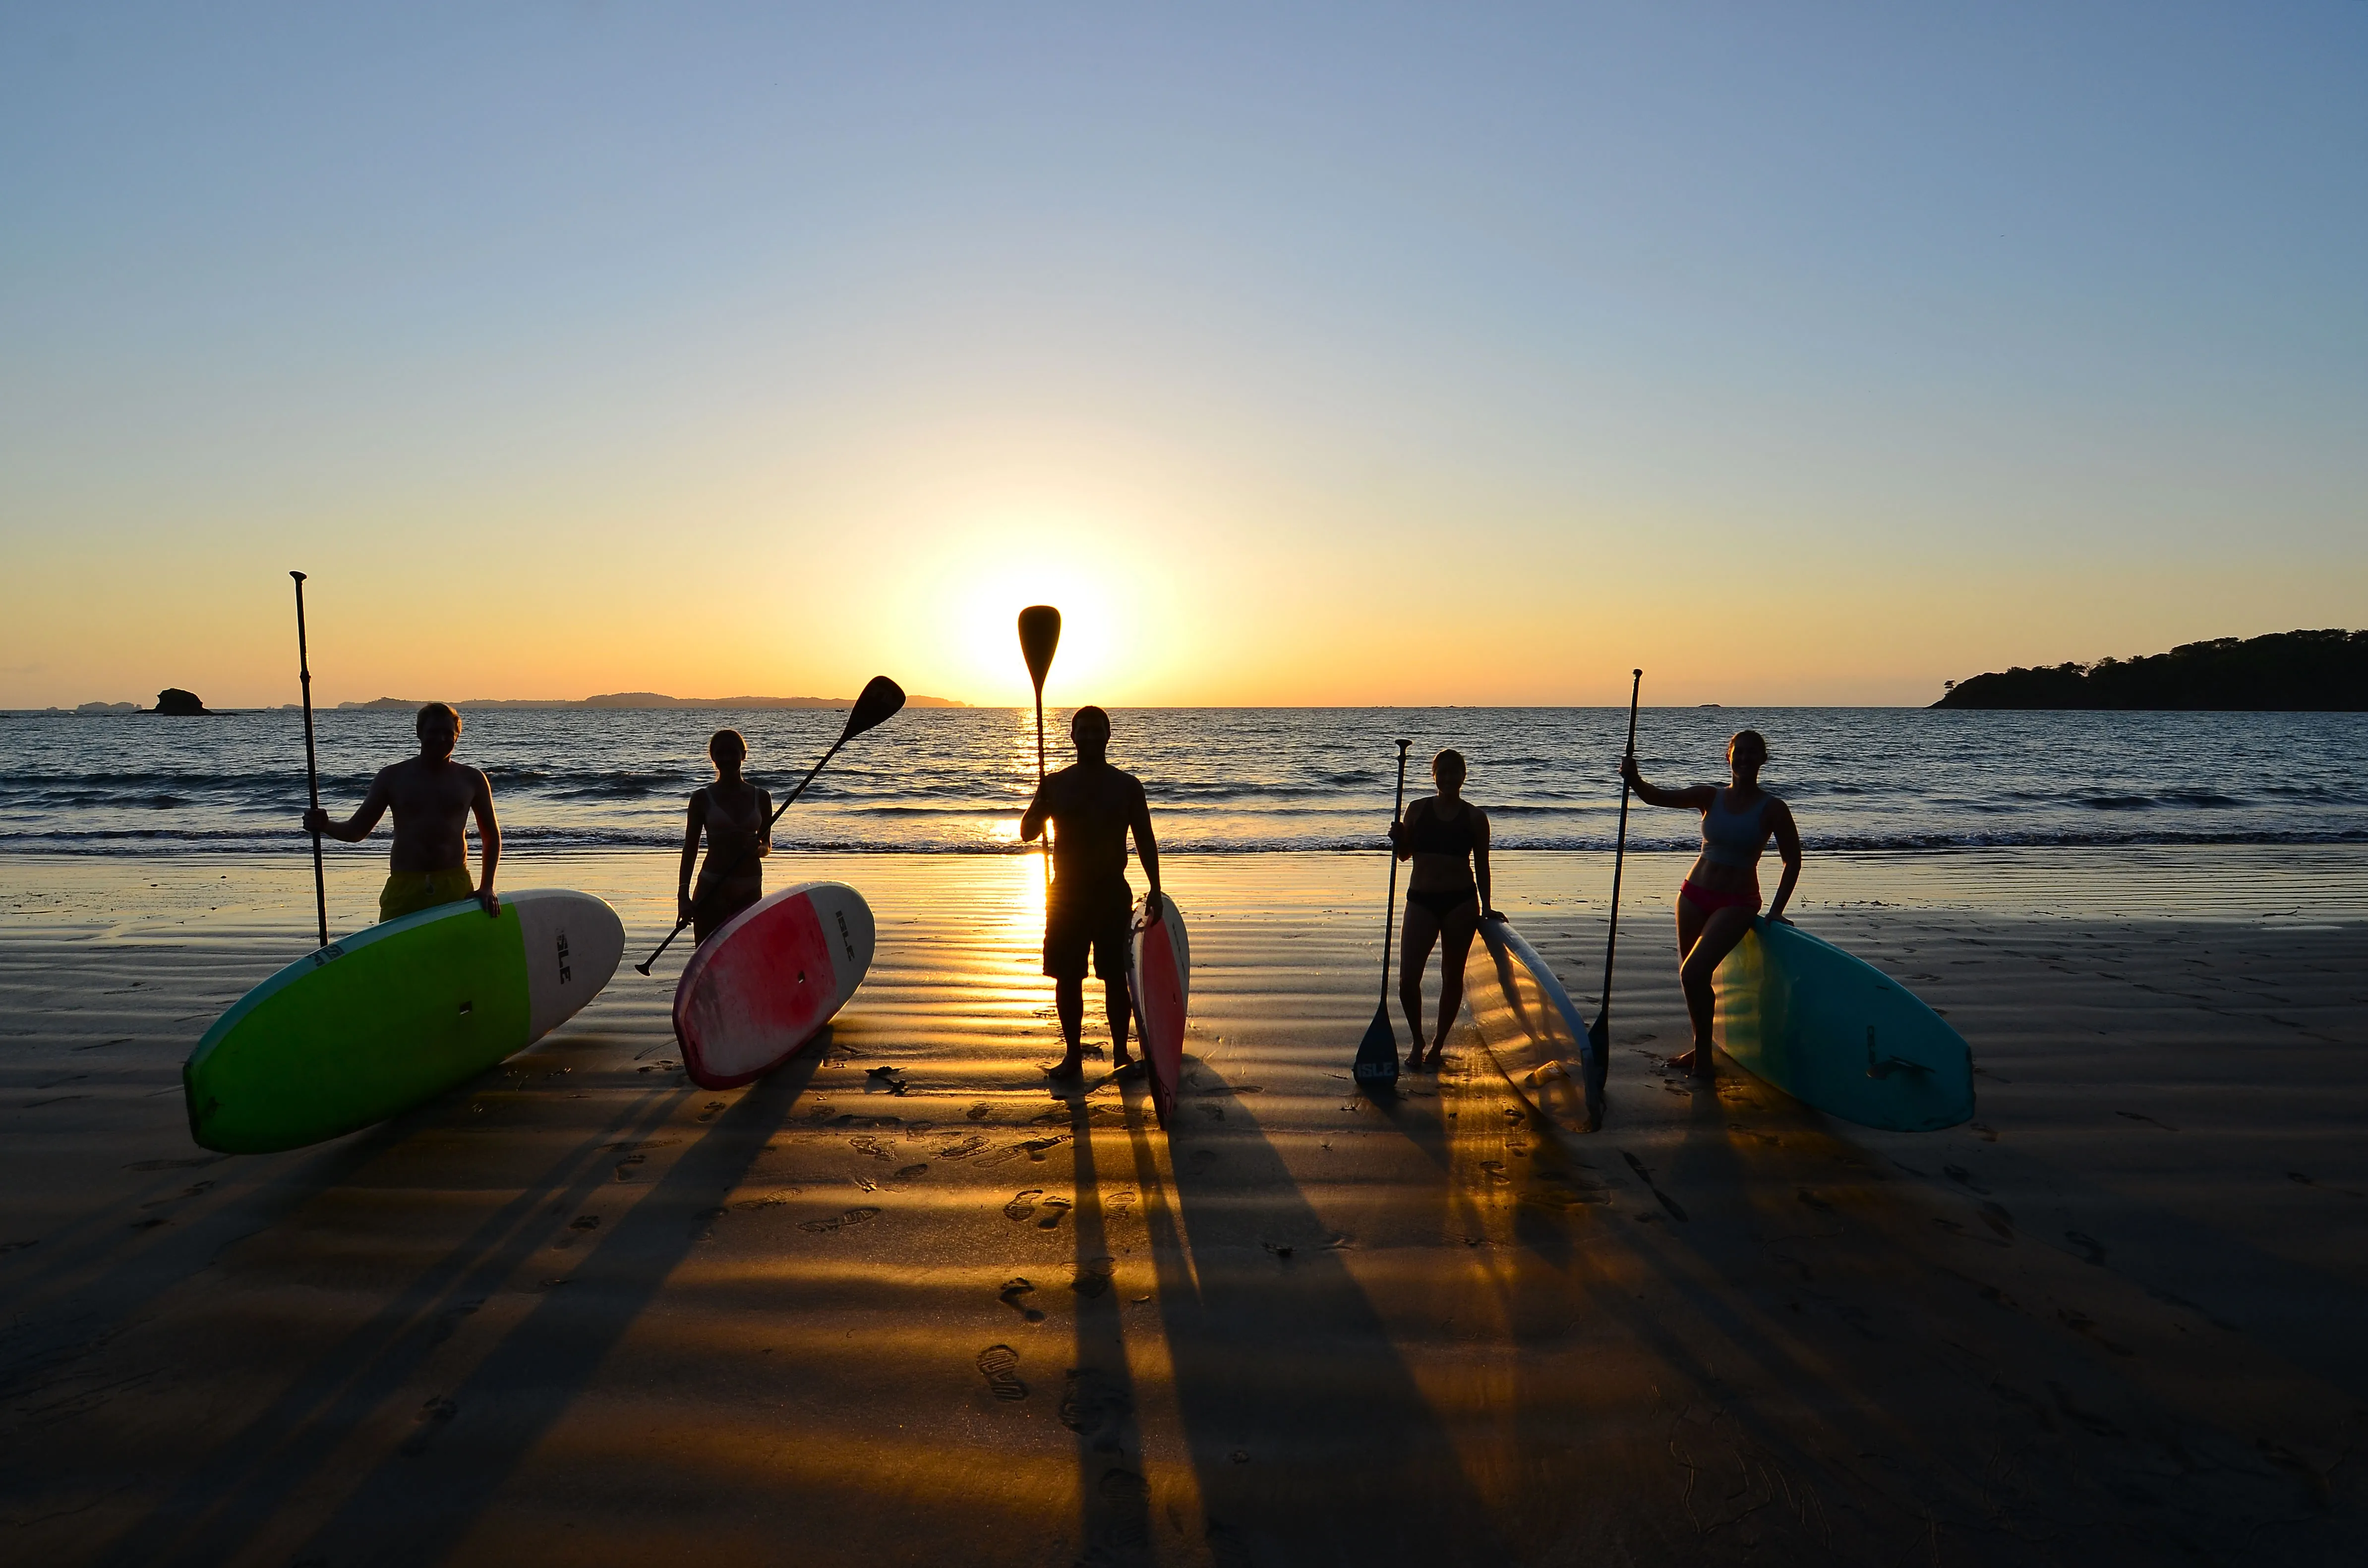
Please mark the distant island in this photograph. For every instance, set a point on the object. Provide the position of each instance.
(649, 699)
(2289, 672)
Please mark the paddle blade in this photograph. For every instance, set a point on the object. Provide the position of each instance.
(1040, 633)
(881, 700)
(1377, 1054)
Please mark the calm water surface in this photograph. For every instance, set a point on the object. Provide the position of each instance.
(1224, 779)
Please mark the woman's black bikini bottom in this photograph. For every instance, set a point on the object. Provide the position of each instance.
(1442, 902)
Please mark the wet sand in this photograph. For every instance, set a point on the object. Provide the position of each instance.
(902, 1303)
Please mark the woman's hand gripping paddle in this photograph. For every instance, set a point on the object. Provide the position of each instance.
(1040, 634)
(1377, 1053)
(1599, 1033)
(312, 763)
(879, 702)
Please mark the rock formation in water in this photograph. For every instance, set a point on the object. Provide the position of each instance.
(174, 703)
(2293, 672)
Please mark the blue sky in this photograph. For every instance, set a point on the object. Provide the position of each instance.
(1809, 353)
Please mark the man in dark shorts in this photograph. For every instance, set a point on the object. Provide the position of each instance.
(432, 798)
(1092, 806)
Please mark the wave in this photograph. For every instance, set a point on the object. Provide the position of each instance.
(149, 841)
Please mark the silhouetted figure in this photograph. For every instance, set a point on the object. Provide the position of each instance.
(1446, 836)
(737, 818)
(1092, 807)
(1720, 895)
(432, 798)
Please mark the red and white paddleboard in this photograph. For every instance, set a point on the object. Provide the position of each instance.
(1162, 977)
(762, 987)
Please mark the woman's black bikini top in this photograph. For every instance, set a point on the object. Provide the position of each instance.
(1428, 833)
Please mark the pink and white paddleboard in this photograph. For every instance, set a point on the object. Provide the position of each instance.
(1162, 976)
(760, 988)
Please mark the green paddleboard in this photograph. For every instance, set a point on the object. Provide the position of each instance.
(393, 1016)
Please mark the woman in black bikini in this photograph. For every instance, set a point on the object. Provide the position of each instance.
(1720, 895)
(737, 817)
(1446, 836)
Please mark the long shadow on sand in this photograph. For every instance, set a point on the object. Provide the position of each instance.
(421, 1501)
(219, 1511)
(1311, 1440)
(1829, 1381)
(1097, 1400)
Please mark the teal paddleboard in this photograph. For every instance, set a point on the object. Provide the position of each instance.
(380, 1021)
(1836, 1033)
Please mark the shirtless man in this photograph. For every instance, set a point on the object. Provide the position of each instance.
(1092, 806)
(432, 797)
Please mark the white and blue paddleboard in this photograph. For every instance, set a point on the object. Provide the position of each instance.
(1526, 1020)
(1836, 1033)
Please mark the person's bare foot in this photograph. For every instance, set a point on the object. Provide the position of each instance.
(1067, 1067)
(1127, 1066)
(1695, 1061)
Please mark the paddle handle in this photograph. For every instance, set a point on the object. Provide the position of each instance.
(1390, 910)
(1619, 859)
(312, 763)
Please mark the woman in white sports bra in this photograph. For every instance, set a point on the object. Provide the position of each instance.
(737, 818)
(1720, 895)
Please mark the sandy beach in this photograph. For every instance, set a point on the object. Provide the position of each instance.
(902, 1303)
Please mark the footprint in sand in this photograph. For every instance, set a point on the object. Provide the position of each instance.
(962, 1150)
(1055, 1211)
(2091, 1250)
(839, 1221)
(999, 1364)
(979, 1112)
(1011, 1295)
(714, 1109)
(1095, 1405)
(625, 1166)
(1022, 1204)
(906, 1173)
(1118, 1202)
(1093, 1276)
(868, 1145)
(432, 1415)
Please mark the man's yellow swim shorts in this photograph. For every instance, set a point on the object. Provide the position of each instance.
(408, 892)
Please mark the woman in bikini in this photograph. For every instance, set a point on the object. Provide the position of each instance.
(737, 817)
(1446, 836)
(1720, 895)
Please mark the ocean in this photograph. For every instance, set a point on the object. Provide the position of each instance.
(1235, 781)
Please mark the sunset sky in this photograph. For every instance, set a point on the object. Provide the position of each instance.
(1798, 353)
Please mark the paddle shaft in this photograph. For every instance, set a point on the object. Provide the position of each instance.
(312, 761)
(1390, 910)
(1039, 775)
(1619, 857)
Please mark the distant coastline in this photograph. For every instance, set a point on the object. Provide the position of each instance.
(2286, 672)
(617, 699)
(636, 699)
